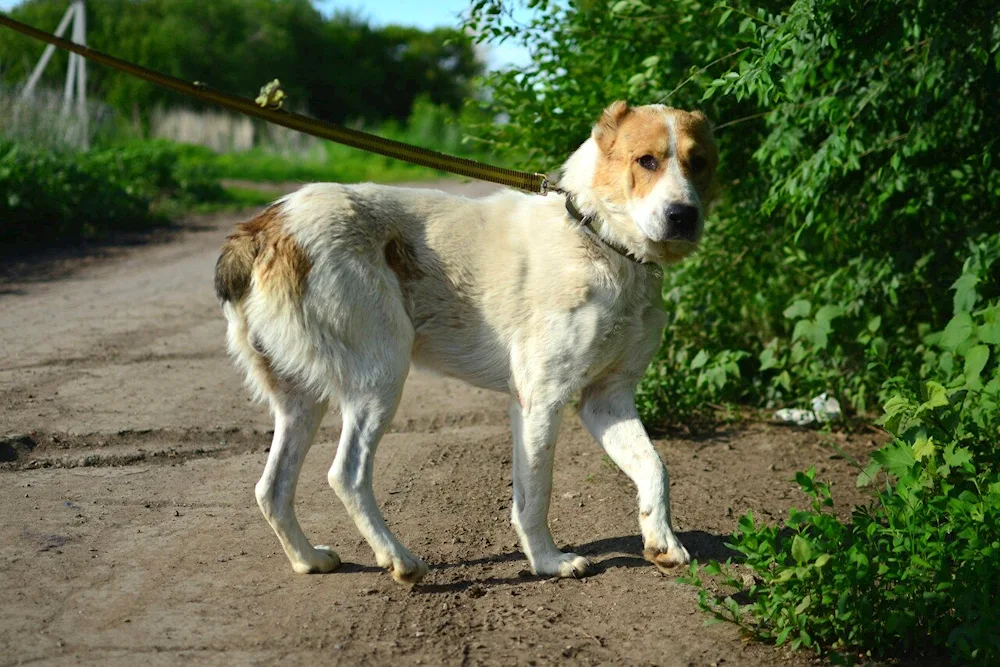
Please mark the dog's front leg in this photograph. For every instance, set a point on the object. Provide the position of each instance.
(611, 417)
(535, 430)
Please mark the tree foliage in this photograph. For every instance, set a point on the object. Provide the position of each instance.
(339, 68)
(854, 251)
(858, 142)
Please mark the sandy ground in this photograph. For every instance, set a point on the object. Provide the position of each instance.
(129, 529)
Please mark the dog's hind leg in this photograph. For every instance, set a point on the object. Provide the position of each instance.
(366, 416)
(296, 420)
(535, 432)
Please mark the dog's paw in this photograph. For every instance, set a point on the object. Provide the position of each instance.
(323, 559)
(565, 566)
(405, 567)
(666, 561)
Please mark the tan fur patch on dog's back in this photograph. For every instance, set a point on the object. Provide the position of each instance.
(262, 246)
(282, 266)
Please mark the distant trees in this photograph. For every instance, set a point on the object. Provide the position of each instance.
(339, 68)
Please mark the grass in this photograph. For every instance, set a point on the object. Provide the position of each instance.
(330, 162)
(231, 199)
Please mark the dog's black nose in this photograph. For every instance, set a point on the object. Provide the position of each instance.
(683, 222)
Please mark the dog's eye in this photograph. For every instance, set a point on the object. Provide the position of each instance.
(649, 162)
(697, 163)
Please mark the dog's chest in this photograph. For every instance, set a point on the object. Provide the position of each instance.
(618, 327)
(614, 332)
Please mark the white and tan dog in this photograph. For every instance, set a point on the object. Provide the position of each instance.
(332, 291)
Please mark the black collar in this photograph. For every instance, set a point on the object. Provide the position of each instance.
(587, 221)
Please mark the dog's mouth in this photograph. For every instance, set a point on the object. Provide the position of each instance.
(674, 250)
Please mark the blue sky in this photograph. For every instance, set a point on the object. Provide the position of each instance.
(424, 14)
(420, 13)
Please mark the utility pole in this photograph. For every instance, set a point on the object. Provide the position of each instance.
(76, 75)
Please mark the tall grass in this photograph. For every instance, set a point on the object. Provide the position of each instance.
(239, 148)
(281, 155)
(43, 121)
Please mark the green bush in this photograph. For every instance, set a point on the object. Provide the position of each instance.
(56, 197)
(856, 164)
(917, 570)
(858, 147)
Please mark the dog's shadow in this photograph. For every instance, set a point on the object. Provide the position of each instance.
(619, 551)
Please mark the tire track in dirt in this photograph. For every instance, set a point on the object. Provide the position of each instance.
(47, 449)
(130, 531)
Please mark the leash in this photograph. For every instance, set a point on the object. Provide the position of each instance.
(521, 180)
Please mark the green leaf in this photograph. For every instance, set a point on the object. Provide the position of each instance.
(896, 408)
(829, 313)
(798, 309)
(989, 332)
(923, 448)
(965, 292)
(801, 549)
(784, 380)
(896, 457)
(975, 362)
(895, 404)
(867, 476)
(636, 79)
(822, 560)
(768, 359)
(957, 332)
(956, 457)
(937, 397)
(811, 332)
(699, 360)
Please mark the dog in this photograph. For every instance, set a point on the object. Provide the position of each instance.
(332, 291)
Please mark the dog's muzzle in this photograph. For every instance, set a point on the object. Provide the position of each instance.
(682, 222)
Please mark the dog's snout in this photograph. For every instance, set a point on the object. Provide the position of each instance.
(682, 222)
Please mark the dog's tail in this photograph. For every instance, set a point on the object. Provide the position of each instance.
(260, 270)
(234, 268)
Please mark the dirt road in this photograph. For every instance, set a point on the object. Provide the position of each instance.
(129, 530)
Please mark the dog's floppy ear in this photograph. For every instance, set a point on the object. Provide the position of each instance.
(607, 127)
(701, 117)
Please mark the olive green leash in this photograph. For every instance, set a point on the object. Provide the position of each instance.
(268, 108)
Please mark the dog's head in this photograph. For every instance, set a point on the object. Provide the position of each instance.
(649, 173)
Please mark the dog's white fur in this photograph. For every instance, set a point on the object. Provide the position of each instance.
(507, 292)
